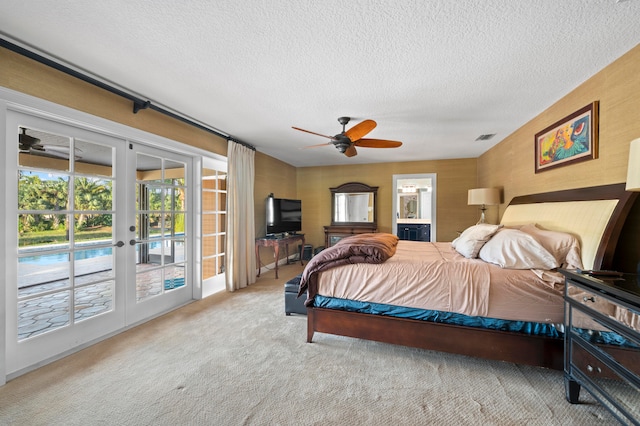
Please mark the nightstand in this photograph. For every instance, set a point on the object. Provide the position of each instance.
(602, 341)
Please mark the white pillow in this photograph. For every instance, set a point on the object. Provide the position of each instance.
(563, 246)
(514, 249)
(473, 238)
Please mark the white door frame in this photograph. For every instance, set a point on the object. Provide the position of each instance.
(34, 350)
(394, 202)
(141, 311)
(11, 100)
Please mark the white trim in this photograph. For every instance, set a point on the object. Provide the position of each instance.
(5, 221)
(217, 282)
(196, 260)
(11, 100)
(27, 104)
(434, 197)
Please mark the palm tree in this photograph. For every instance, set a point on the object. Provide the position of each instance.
(41, 195)
(91, 194)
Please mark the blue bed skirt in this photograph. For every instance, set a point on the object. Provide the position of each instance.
(525, 327)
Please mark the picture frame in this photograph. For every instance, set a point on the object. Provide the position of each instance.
(568, 141)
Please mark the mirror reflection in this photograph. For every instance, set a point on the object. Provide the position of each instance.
(353, 207)
(353, 203)
(414, 200)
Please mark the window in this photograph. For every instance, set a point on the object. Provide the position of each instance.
(214, 205)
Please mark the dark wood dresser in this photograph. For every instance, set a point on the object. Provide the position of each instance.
(334, 233)
(602, 341)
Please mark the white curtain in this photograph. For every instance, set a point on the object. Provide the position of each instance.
(240, 251)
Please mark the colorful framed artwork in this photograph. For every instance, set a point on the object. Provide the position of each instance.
(568, 141)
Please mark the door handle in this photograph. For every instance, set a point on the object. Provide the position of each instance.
(132, 242)
(118, 244)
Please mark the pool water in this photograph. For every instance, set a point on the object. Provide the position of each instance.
(79, 254)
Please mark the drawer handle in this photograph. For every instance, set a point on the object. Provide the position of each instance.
(589, 299)
(590, 369)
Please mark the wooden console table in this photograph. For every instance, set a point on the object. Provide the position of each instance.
(275, 243)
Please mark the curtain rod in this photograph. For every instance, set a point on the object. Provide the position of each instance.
(138, 103)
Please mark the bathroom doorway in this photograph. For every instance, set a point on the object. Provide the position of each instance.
(414, 207)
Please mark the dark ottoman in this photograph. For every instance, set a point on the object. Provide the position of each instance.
(292, 303)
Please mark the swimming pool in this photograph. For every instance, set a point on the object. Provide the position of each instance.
(80, 253)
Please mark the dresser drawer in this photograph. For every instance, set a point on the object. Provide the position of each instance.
(627, 357)
(602, 341)
(625, 317)
(606, 381)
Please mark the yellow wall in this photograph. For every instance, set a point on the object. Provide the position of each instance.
(272, 176)
(454, 178)
(510, 164)
(27, 76)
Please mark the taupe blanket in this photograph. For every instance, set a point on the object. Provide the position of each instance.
(360, 248)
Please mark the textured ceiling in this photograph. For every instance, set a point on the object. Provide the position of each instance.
(433, 74)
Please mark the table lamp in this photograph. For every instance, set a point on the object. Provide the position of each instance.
(484, 197)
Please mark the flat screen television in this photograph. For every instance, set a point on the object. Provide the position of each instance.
(283, 215)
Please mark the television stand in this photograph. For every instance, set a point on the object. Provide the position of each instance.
(275, 243)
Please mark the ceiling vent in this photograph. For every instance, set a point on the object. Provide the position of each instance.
(485, 137)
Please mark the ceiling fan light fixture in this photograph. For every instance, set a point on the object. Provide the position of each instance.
(347, 141)
(342, 146)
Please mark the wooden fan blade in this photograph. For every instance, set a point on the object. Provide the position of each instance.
(317, 146)
(360, 130)
(377, 143)
(351, 151)
(313, 133)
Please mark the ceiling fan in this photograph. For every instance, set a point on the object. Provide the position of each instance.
(32, 145)
(348, 140)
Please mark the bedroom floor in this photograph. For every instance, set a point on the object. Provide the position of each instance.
(236, 358)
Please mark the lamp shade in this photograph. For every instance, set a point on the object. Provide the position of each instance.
(483, 196)
(633, 170)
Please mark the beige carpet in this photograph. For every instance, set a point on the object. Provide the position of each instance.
(236, 359)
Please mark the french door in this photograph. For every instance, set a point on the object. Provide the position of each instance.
(160, 218)
(102, 235)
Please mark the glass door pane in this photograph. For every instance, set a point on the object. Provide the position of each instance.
(65, 218)
(162, 234)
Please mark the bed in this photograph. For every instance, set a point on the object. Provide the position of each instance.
(594, 215)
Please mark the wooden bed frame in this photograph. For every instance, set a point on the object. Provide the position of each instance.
(490, 344)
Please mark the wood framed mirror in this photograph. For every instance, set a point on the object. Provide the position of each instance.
(354, 203)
